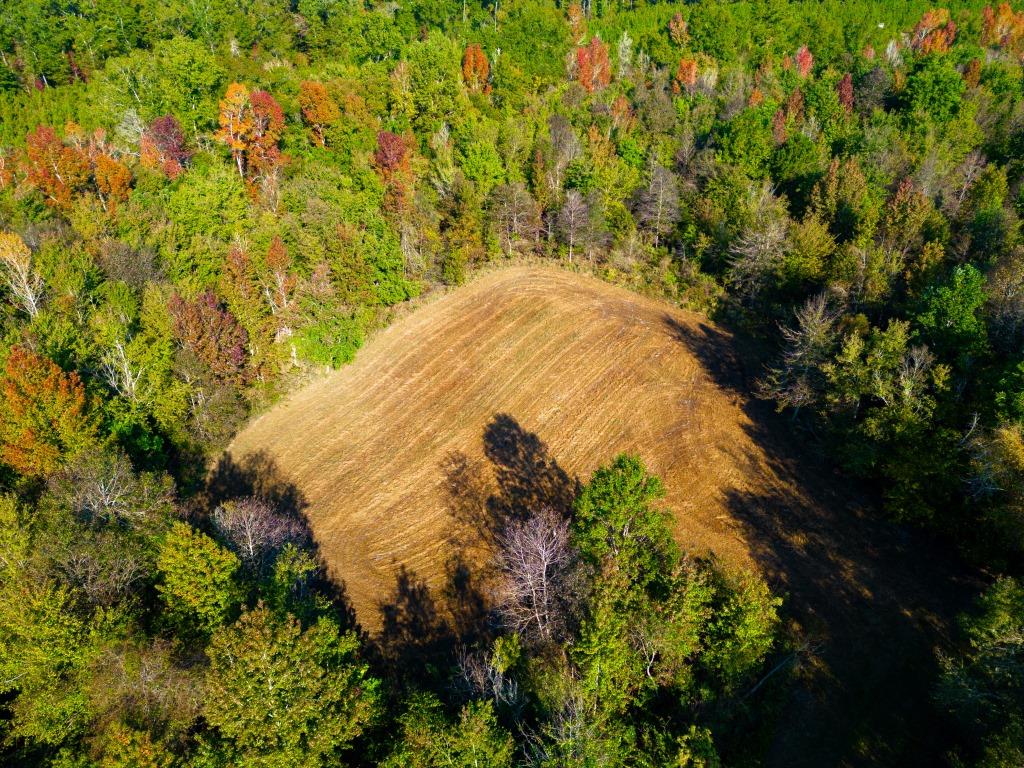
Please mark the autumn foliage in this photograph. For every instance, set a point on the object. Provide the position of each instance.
(804, 61)
(391, 154)
(476, 69)
(679, 30)
(212, 334)
(577, 22)
(44, 415)
(593, 69)
(162, 147)
(934, 33)
(55, 169)
(392, 160)
(686, 75)
(845, 92)
(1002, 27)
(61, 169)
(319, 110)
(251, 124)
(113, 181)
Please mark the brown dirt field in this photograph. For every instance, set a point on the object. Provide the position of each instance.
(589, 368)
(513, 388)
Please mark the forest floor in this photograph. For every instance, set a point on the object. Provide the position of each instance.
(511, 390)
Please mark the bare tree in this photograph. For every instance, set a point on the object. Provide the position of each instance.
(145, 685)
(912, 376)
(573, 220)
(565, 147)
(1004, 286)
(23, 281)
(119, 373)
(658, 203)
(102, 489)
(756, 257)
(758, 253)
(255, 530)
(487, 678)
(514, 215)
(106, 568)
(537, 567)
(797, 381)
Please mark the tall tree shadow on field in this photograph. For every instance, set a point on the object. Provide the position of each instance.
(874, 598)
(257, 475)
(423, 632)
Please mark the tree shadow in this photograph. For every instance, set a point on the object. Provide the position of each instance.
(257, 475)
(528, 477)
(423, 631)
(873, 597)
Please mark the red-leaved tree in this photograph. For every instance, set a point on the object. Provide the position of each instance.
(391, 154)
(163, 146)
(593, 70)
(845, 92)
(804, 61)
(212, 334)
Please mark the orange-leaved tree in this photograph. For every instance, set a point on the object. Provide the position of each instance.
(44, 414)
(1002, 27)
(934, 33)
(475, 68)
(593, 69)
(251, 124)
(319, 110)
(52, 167)
(236, 123)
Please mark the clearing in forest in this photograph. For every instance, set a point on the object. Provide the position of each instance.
(505, 393)
(511, 387)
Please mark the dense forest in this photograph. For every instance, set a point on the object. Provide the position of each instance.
(203, 205)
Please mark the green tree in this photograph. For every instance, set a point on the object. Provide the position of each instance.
(934, 89)
(983, 688)
(615, 519)
(950, 315)
(282, 696)
(197, 580)
(46, 645)
(429, 740)
(437, 91)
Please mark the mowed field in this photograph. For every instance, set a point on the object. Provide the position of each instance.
(506, 392)
(588, 368)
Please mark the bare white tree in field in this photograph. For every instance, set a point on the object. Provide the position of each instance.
(573, 220)
(658, 204)
(22, 280)
(255, 530)
(537, 564)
